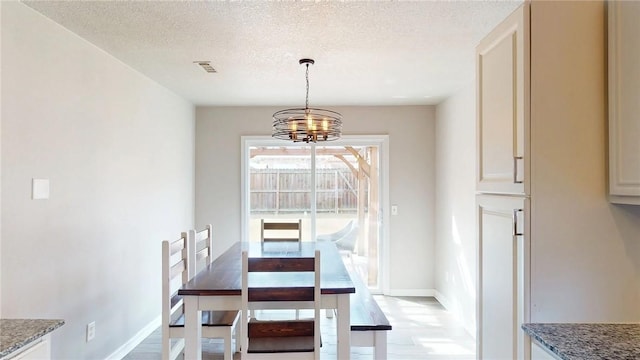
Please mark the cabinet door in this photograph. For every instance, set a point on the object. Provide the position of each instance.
(503, 277)
(624, 107)
(502, 60)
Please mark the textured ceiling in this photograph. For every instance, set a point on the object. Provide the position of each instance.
(367, 53)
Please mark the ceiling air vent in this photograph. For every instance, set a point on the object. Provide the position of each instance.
(206, 65)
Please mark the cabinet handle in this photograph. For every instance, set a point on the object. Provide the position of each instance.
(515, 222)
(515, 169)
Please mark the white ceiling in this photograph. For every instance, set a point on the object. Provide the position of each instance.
(367, 53)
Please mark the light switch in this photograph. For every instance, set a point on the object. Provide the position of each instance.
(40, 189)
(394, 209)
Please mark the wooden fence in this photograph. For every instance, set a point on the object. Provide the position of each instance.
(278, 191)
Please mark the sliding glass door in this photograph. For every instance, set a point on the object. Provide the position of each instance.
(335, 189)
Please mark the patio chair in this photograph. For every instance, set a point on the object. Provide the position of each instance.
(345, 239)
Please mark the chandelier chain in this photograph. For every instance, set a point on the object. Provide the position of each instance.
(307, 99)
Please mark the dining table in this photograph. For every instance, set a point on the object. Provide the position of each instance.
(219, 287)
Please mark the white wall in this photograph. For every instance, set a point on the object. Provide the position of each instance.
(455, 206)
(1, 164)
(585, 251)
(118, 150)
(412, 170)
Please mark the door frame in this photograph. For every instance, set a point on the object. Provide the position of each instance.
(358, 140)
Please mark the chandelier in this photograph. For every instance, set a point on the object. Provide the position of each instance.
(307, 124)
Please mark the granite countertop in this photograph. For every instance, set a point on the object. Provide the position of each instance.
(16, 333)
(588, 341)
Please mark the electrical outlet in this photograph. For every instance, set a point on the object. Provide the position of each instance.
(91, 331)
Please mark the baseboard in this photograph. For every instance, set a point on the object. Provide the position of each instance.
(445, 302)
(411, 292)
(126, 348)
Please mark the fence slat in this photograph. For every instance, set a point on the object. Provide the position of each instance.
(289, 190)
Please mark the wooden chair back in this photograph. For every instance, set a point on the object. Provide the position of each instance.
(289, 339)
(175, 273)
(280, 231)
(201, 246)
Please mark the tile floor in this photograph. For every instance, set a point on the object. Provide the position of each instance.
(422, 329)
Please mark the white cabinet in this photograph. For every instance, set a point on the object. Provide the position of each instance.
(39, 349)
(541, 148)
(624, 107)
(502, 60)
(539, 353)
(502, 279)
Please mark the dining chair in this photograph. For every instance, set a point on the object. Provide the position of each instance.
(201, 251)
(281, 339)
(201, 246)
(280, 231)
(271, 231)
(175, 273)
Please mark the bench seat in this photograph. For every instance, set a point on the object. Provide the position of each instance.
(369, 324)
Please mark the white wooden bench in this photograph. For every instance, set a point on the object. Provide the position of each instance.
(369, 325)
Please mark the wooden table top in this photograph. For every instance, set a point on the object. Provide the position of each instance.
(223, 276)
